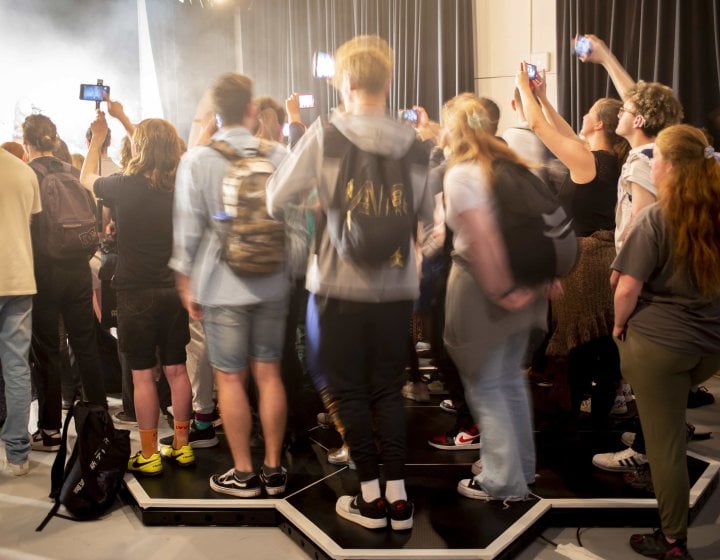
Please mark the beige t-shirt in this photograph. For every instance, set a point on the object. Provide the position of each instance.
(19, 199)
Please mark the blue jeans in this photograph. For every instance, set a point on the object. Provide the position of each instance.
(239, 333)
(317, 372)
(498, 396)
(15, 333)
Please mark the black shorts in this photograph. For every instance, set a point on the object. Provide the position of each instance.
(152, 323)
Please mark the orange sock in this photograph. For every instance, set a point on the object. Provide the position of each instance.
(148, 442)
(181, 433)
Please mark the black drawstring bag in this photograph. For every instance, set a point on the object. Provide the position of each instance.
(88, 485)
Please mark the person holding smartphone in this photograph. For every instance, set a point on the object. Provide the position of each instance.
(152, 322)
(589, 195)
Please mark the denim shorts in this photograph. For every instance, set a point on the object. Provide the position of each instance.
(236, 334)
(152, 323)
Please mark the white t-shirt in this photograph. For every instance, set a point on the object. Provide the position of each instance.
(636, 169)
(19, 199)
(466, 187)
(526, 144)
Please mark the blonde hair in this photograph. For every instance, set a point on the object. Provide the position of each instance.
(158, 153)
(367, 60)
(689, 198)
(468, 134)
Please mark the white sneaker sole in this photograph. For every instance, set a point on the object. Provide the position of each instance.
(204, 443)
(240, 493)
(342, 508)
(463, 447)
(401, 525)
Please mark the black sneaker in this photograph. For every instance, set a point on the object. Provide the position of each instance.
(197, 438)
(355, 509)
(40, 441)
(275, 483)
(227, 483)
(401, 515)
(699, 397)
(655, 545)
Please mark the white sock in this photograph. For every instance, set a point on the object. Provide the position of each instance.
(395, 490)
(50, 432)
(370, 490)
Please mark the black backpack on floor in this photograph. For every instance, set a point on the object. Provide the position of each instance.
(88, 485)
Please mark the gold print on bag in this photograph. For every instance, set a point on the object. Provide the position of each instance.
(366, 201)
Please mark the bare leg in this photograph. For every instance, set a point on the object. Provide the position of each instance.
(147, 407)
(272, 408)
(180, 391)
(235, 413)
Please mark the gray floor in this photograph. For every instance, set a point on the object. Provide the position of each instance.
(24, 502)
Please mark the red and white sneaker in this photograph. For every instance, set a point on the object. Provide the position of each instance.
(457, 440)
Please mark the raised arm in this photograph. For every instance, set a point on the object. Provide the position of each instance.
(553, 117)
(115, 109)
(601, 54)
(570, 150)
(88, 173)
(203, 124)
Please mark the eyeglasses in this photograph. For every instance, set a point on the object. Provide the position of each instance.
(626, 110)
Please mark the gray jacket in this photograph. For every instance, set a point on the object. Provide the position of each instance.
(305, 167)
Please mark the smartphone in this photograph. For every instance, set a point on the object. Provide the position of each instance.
(323, 65)
(531, 70)
(306, 100)
(94, 92)
(409, 115)
(582, 45)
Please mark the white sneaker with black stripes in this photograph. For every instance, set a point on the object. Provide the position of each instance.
(622, 461)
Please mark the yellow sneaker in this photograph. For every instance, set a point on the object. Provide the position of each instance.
(183, 457)
(152, 466)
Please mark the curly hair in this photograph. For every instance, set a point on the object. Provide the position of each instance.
(40, 132)
(367, 60)
(607, 110)
(158, 153)
(689, 198)
(657, 104)
(468, 138)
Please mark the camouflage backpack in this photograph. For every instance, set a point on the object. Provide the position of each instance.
(253, 244)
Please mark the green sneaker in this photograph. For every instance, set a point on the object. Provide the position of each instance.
(152, 466)
(183, 457)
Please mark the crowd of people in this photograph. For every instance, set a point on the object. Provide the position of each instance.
(639, 315)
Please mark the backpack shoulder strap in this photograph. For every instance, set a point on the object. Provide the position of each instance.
(225, 149)
(57, 473)
(335, 143)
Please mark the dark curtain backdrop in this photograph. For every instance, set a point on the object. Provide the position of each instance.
(432, 41)
(675, 42)
(191, 46)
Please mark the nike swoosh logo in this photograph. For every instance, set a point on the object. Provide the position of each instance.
(464, 439)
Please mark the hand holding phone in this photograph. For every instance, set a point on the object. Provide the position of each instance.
(583, 47)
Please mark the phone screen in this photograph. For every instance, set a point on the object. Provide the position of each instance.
(323, 65)
(306, 100)
(409, 115)
(94, 92)
(531, 70)
(582, 46)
